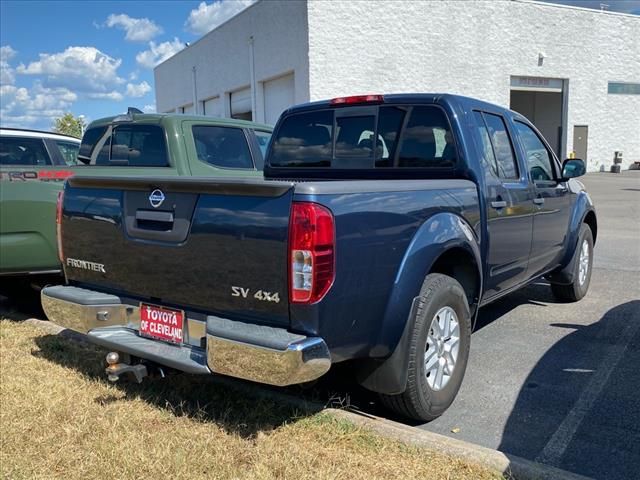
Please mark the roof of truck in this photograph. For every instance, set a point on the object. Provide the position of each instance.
(408, 98)
(155, 118)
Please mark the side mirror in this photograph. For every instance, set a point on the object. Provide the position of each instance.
(572, 168)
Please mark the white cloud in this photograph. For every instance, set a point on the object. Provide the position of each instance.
(82, 69)
(137, 29)
(139, 90)
(39, 106)
(149, 108)
(207, 17)
(158, 53)
(7, 74)
(113, 95)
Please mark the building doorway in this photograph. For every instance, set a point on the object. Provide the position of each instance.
(541, 100)
(581, 141)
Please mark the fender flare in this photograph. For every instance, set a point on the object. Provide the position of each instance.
(386, 370)
(582, 207)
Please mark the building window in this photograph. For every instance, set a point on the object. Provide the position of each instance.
(624, 88)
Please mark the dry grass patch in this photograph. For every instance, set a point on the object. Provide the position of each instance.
(60, 418)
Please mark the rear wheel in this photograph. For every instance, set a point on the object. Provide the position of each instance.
(438, 351)
(582, 265)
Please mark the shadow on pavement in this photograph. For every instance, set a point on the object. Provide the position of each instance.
(537, 293)
(579, 408)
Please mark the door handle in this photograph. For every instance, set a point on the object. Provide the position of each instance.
(538, 201)
(498, 204)
(154, 216)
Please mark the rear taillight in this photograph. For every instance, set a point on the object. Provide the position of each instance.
(311, 252)
(59, 225)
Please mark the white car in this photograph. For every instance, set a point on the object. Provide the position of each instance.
(32, 148)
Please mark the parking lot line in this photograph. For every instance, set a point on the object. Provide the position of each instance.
(555, 448)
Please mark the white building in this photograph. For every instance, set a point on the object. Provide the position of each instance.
(574, 72)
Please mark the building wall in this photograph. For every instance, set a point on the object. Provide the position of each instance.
(473, 48)
(221, 58)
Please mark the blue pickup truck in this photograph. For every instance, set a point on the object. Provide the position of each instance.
(382, 225)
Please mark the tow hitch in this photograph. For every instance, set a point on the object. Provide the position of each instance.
(115, 368)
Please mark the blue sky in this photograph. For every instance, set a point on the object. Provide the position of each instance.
(92, 58)
(96, 58)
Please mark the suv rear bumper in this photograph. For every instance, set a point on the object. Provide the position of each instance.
(261, 354)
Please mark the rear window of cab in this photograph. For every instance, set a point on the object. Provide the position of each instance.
(132, 145)
(365, 137)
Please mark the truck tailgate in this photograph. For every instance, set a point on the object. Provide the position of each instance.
(214, 245)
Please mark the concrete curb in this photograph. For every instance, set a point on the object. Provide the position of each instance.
(510, 465)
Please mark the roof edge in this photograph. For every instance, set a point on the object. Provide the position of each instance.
(580, 9)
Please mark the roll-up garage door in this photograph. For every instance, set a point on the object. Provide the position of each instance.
(278, 96)
(213, 107)
(241, 104)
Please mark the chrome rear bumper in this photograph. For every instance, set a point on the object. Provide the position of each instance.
(261, 354)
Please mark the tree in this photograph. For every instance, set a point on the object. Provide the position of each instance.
(69, 125)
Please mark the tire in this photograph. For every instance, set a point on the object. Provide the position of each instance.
(580, 285)
(422, 399)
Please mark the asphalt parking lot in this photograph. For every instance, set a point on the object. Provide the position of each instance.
(558, 383)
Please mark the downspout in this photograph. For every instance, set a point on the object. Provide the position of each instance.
(253, 79)
(195, 91)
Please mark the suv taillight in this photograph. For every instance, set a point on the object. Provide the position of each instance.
(59, 225)
(311, 252)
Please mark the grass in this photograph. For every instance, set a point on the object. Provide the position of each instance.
(60, 418)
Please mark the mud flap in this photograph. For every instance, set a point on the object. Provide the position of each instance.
(389, 375)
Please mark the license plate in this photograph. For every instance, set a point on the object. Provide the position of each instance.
(161, 323)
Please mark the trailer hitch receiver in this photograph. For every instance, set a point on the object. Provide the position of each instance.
(117, 368)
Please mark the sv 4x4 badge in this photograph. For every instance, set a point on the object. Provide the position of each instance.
(259, 295)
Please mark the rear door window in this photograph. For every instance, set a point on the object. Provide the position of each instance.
(23, 151)
(488, 157)
(263, 141)
(502, 147)
(68, 151)
(224, 147)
